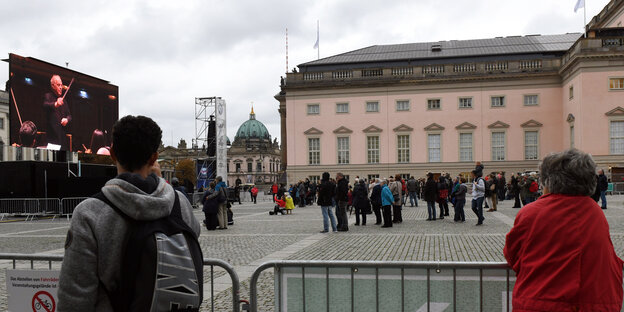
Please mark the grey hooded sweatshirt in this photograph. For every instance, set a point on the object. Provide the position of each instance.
(93, 248)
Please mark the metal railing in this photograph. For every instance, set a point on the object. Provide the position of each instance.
(69, 204)
(29, 207)
(431, 270)
(14, 257)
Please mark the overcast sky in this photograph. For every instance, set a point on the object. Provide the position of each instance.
(163, 54)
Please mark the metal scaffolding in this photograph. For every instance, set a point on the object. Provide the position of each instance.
(205, 110)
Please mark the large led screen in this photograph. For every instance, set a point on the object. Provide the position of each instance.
(57, 108)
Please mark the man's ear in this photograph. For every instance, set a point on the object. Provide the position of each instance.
(153, 159)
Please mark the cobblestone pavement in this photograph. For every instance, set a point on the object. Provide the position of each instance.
(257, 236)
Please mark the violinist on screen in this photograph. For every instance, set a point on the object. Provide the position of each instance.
(57, 113)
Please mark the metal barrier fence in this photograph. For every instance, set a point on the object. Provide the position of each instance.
(29, 207)
(317, 275)
(618, 188)
(207, 262)
(69, 204)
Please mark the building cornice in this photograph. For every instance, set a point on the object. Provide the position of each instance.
(372, 129)
(531, 124)
(498, 125)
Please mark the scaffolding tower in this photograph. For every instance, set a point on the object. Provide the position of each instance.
(205, 111)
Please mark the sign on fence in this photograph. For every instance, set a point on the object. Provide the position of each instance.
(32, 290)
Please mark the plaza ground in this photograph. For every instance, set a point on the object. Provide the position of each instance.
(257, 237)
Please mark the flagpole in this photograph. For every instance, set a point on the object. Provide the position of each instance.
(318, 38)
(584, 19)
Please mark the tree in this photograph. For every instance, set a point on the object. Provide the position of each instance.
(185, 170)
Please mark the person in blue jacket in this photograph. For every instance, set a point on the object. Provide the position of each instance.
(386, 203)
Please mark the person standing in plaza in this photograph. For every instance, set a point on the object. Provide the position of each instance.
(375, 199)
(442, 197)
(91, 276)
(360, 201)
(326, 192)
(478, 192)
(274, 190)
(492, 192)
(254, 194)
(222, 212)
(412, 189)
(396, 188)
(387, 200)
(515, 190)
(342, 188)
(502, 183)
(210, 207)
(430, 195)
(603, 185)
(459, 194)
(560, 246)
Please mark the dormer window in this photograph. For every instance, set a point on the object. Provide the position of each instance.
(436, 48)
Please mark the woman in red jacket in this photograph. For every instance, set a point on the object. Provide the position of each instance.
(560, 245)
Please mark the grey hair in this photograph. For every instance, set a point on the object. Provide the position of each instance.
(570, 172)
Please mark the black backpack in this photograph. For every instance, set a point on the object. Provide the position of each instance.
(161, 265)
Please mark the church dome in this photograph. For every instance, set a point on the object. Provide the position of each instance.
(252, 129)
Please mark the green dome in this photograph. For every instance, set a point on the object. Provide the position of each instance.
(252, 129)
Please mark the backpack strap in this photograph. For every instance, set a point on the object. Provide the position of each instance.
(118, 297)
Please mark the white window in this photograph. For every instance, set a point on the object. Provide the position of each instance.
(249, 167)
(314, 151)
(259, 167)
(465, 147)
(342, 107)
(530, 145)
(531, 100)
(433, 144)
(571, 136)
(616, 84)
(343, 150)
(372, 107)
(433, 104)
(403, 148)
(238, 167)
(1, 123)
(314, 109)
(498, 146)
(372, 149)
(498, 101)
(465, 102)
(617, 137)
(402, 105)
(314, 179)
(373, 176)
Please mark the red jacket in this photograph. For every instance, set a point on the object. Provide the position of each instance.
(280, 202)
(564, 260)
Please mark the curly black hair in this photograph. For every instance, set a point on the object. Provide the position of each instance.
(135, 139)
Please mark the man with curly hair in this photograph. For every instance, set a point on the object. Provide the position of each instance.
(95, 241)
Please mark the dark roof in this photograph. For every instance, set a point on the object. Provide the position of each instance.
(454, 49)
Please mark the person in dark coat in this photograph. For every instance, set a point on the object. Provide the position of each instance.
(210, 207)
(360, 201)
(375, 199)
(442, 197)
(515, 190)
(326, 192)
(342, 188)
(460, 201)
(431, 195)
(603, 185)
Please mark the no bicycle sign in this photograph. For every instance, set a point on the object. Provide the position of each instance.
(32, 290)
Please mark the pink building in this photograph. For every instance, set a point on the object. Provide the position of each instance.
(441, 106)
